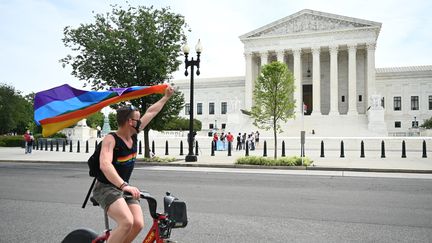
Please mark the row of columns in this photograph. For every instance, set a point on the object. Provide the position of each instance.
(316, 77)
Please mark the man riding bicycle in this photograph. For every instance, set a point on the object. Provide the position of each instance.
(114, 179)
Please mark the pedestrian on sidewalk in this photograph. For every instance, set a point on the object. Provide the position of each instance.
(30, 144)
(239, 142)
(230, 139)
(26, 137)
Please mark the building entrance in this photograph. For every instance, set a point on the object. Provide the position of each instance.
(307, 98)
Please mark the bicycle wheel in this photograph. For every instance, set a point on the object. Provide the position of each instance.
(80, 236)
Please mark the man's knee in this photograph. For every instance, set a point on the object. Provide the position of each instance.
(138, 224)
(126, 224)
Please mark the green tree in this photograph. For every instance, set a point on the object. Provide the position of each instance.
(97, 119)
(273, 98)
(427, 123)
(126, 47)
(112, 118)
(16, 111)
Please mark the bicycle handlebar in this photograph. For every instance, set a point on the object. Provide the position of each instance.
(152, 203)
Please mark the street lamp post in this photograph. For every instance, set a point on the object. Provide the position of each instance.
(191, 157)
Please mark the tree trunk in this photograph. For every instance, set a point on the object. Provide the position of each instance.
(146, 131)
(146, 143)
(275, 140)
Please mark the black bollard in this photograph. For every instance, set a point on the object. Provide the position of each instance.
(96, 144)
(247, 148)
(382, 149)
(140, 147)
(342, 152)
(181, 148)
(78, 146)
(46, 145)
(196, 148)
(229, 148)
(153, 148)
(403, 149)
(64, 146)
(87, 147)
(51, 146)
(283, 148)
(265, 149)
(166, 147)
(322, 149)
(37, 144)
(362, 154)
(424, 149)
(70, 146)
(212, 148)
(57, 145)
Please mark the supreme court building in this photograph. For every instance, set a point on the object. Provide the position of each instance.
(332, 58)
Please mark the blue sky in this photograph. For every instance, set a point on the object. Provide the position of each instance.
(31, 33)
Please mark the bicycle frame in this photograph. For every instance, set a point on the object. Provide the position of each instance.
(154, 234)
(174, 216)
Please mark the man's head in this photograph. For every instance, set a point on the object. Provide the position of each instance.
(128, 116)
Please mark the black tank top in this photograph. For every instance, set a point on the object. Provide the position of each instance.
(123, 159)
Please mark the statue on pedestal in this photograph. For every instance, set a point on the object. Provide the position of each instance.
(106, 128)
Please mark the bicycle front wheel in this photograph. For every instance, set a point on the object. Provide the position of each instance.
(80, 236)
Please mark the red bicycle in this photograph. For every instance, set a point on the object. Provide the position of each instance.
(174, 216)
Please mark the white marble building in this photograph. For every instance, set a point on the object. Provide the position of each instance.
(332, 58)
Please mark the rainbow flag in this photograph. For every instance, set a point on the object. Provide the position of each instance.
(63, 106)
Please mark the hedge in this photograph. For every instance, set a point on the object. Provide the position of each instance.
(284, 161)
(11, 141)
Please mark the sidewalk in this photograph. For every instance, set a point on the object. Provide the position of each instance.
(393, 162)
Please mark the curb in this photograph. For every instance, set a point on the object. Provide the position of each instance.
(235, 166)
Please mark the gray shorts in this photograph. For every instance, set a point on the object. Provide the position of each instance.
(106, 194)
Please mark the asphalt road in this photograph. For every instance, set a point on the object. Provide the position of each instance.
(42, 203)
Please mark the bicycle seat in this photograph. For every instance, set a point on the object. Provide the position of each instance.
(94, 202)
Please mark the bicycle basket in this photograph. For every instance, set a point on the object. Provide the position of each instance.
(175, 211)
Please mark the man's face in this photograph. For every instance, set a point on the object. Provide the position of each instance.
(134, 121)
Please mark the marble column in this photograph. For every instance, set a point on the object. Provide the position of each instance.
(264, 58)
(249, 82)
(352, 80)
(316, 81)
(281, 56)
(298, 92)
(370, 72)
(334, 96)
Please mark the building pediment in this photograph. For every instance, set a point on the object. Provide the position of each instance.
(309, 21)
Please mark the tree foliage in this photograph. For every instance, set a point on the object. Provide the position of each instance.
(273, 98)
(95, 120)
(16, 110)
(427, 123)
(127, 47)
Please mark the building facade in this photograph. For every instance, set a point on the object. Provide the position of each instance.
(332, 58)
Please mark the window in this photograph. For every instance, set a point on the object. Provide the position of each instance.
(382, 102)
(397, 103)
(187, 109)
(343, 98)
(414, 124)
(223, 108)
(397, 124)
(430, 102)
(414, 103)
(223, 125)
(211, 108)
(211, 126)
(199, 108)
(360, 98)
